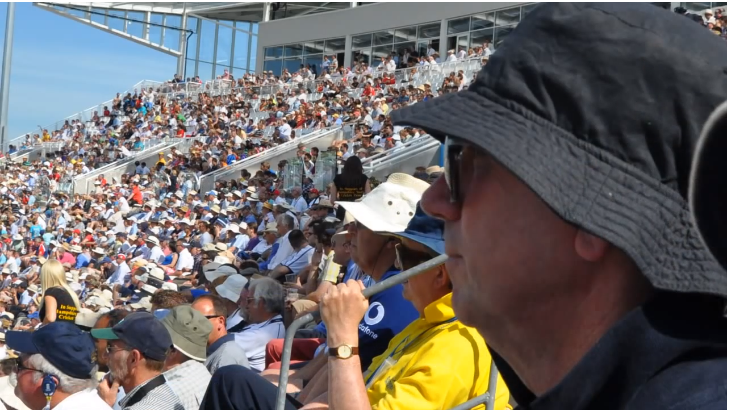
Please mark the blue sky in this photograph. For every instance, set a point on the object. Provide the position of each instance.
(61, 67)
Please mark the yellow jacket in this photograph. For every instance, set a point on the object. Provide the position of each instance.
(438, 364)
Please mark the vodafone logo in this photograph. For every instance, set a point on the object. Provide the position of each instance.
(375, 314)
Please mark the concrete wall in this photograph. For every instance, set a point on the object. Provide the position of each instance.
(363, 19)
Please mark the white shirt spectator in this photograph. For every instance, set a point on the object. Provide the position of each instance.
(156, 255)
(461, 54)
(253, 339)
(284, 251)
(285, 131)
(85, 399)
(185, 260)
(300, 204)
(299, 260)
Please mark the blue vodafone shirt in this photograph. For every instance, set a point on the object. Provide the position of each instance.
(389, 313)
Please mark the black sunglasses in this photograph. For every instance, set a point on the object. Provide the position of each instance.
(453, 155)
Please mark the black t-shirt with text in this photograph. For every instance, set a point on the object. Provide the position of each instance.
(65, 308)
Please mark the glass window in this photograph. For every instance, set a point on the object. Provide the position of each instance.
(116, 23)
(189, 68)
(481, 36)
(314, 47)
(240, 57)
(406, 34)
(508, 16)
(527, 9)
(173, 21)
(333, 45)
(430, 30)
(155, 32)
(205, 71)
(694, 7)
(172, 37)
(402, 47)
(293, 50)
(220, 70)
(255, 28)
(243, 25)
(382, 38)
(378, 53)
(273, 65)
(133, 27)
(362, 55)
(273, 52)
(362, 40)
(254, 47)
(314, 61)
(459, 25)
(192, 42)
(225, 44)
(500, 34)
(207, 41)
(77, 13)
(292, 64)
(99, 18)
(481, 21)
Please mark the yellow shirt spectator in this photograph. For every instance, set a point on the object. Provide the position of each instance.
(436, 363)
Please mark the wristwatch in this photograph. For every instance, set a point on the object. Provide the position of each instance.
(343, 351)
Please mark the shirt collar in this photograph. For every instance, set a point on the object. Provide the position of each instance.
(440, 310)
(216, 344)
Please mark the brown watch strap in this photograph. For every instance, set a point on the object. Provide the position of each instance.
(333, 351)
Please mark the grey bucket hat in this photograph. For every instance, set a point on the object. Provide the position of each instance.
(598, 109)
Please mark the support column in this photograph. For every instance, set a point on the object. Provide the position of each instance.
(5, 85)
(352, 4)
(348, 50)
(148, 19)
(266, 12)
(183, 43)
(443, 49)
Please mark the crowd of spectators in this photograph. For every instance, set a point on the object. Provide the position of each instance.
(712, 19)
(174, 284)
(187, 296)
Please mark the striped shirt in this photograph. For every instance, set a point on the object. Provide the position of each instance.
(160, 398)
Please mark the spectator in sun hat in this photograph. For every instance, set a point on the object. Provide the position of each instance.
(185, 372)
(595, 199)
(386, 209)
(62, 352)
(230, 291)
(137, 349)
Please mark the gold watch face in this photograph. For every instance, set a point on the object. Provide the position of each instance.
(344, 351)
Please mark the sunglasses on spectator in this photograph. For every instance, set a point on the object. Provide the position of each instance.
(455, 151)
(406, 258)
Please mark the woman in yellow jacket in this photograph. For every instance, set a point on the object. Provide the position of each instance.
(434, 363)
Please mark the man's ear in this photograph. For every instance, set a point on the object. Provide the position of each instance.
(590, 247)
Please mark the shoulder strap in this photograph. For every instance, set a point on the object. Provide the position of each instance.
(144, 390)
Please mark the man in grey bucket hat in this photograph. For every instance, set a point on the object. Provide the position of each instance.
(564, 196)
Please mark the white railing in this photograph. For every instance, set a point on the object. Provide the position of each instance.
(207, 181)
(418, 152)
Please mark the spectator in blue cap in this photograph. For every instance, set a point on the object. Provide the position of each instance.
(136, 352)
(58, 359)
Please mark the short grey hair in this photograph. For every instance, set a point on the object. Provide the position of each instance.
(67, 384)
(286, 220)
(270, 291)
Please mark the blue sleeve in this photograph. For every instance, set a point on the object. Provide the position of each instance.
(389, 313)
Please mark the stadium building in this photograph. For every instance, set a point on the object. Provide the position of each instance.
(210, 37)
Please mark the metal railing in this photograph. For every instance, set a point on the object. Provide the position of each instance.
(81, 182)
